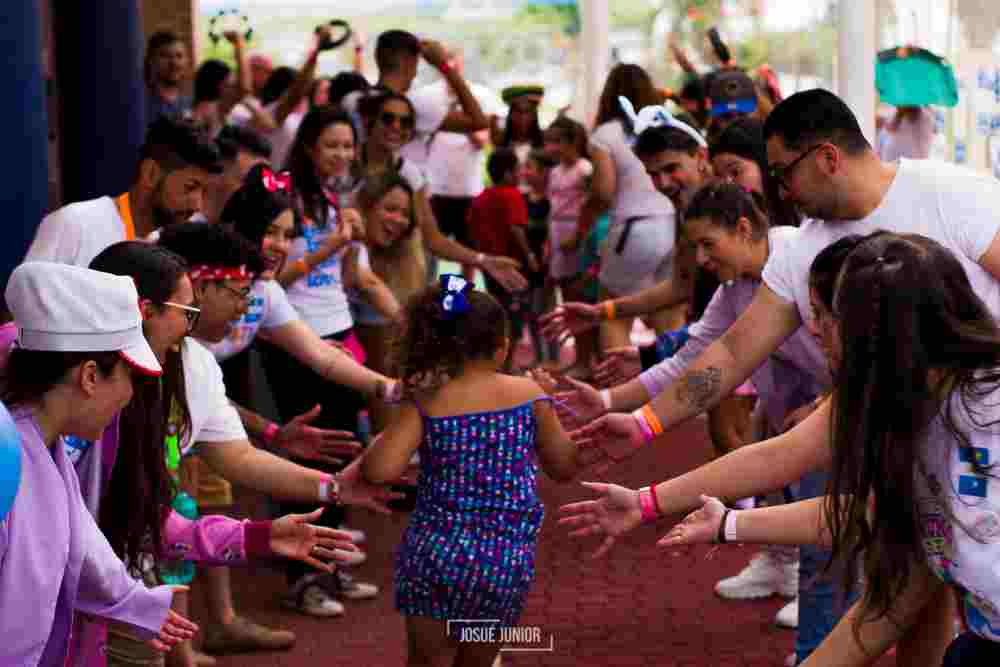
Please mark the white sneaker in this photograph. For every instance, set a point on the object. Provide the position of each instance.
(788, 616)
(791, 660)
(763, 577)
(350, 589)
(314, 601)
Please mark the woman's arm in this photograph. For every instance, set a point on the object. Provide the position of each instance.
(299, 340)
(360, 277)
(755, 469)
(841, 647)
(604, 181)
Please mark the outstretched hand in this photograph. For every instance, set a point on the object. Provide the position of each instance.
(294, 536)
(355, 490)
(307, 442)
(572, 317)
(610, 439)
(612, 514)
(699, 527)
(505, 271)
(175, 628)
(619, 365)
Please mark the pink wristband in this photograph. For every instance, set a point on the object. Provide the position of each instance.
(647, 506)
(647, 430)
(271, 432)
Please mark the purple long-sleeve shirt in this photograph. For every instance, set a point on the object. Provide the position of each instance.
(782, 381)
(54, 560)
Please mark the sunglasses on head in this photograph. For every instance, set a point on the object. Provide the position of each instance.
(389, 118)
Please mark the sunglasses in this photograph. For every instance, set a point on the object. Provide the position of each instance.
(781, 174)
(389, 118)
(191, 313)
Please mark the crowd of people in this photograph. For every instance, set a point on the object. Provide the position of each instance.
(833, 313)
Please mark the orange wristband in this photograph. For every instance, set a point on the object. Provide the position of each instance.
(609, 309)
(654, 422)
(302, 265)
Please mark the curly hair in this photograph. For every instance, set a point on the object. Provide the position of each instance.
(435, 344)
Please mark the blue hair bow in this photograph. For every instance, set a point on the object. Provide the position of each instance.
(454, 289)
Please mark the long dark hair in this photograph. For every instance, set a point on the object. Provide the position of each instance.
(252, 208)
(307, 185)
(744, 137)
(435, 344)
(913, 336)
(631, 82)
(139, 492)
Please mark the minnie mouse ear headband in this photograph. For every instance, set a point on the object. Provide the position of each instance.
(657, 116)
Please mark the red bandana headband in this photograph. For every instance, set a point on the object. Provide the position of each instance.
(206, 272)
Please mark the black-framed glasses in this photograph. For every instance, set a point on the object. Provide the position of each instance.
(191, 313)
(406, 121)
(241, 294)
(780, 174)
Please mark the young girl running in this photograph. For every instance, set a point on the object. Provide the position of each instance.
(468, 552)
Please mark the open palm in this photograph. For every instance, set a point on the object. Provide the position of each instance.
(614, 513)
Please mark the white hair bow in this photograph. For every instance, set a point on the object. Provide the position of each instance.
(657, 116)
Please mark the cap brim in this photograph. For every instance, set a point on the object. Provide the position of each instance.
(748, 105)
(140, 357)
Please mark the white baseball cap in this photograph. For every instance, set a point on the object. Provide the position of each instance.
(63, 308)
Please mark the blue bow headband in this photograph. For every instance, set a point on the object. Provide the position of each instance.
(454, 294)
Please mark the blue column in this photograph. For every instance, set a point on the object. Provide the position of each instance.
(24, 167)
(99, 54)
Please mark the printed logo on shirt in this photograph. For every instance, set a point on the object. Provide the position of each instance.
(982, 615)
(75, 447)
(319, 277)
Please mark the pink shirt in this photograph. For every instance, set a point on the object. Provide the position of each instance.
(567, 189)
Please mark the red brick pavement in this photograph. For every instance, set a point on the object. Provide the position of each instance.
(638, 606)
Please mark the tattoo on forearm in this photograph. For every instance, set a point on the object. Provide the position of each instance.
(699, 388)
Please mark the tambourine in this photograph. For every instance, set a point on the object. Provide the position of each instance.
(334, 41)
(229, 20)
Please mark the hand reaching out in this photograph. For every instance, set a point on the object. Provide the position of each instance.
(175, 629)
(307, 442)
(620, 364)
(614, 513)
(699, 527)
(293, 536)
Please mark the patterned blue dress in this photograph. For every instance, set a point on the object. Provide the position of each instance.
(469, 551)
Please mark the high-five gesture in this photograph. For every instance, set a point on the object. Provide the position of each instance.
(614, 513)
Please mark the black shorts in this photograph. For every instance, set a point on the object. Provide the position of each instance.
(450, 213)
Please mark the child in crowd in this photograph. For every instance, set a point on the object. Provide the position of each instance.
(498, 222)
(568, 188)
(469, 550)
(535, 176)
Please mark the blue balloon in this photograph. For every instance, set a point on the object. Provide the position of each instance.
(10, 461)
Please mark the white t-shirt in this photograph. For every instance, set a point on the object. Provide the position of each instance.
(319, 296)
(970, 562)
(954, 206)
(77, 233)
(635, 195)
(269, 309)
(281, 139)
(213, 417)
(454, 164)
